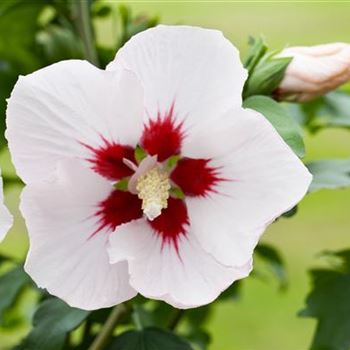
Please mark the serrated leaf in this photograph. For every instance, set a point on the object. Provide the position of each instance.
(329, 174)
(329, 303)
(266, 75)
(11, 285)
(273, 259)
(53, 320)
(285, 125)
(149, 339)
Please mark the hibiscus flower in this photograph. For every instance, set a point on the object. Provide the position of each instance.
(147, 177)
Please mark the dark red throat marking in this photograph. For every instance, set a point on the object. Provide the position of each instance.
(172, 223)
(117, 209)
(195, 176)
(162, 136)
(108, 160)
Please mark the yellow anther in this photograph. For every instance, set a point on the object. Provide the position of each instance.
(153, 188)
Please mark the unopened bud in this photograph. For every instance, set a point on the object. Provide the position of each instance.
(314, 71)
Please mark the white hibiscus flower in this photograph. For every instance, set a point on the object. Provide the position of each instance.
(149, 176)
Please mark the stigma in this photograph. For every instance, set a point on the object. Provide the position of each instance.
(153, 189)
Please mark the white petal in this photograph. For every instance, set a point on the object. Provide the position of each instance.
(64, 257)
(197, 69)
(52, 111)
(265, 177)
(6, 218)
(187, 278)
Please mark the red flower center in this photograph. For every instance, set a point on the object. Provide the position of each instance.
(162, 137)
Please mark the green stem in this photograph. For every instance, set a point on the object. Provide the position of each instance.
(137, 319)
(84, 27)
(107, 330)
(175, 320)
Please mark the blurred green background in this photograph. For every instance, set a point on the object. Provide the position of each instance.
(264, 318)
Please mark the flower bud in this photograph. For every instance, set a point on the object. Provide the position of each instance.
(314, 71)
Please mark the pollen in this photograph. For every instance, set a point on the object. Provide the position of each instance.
(153, 188)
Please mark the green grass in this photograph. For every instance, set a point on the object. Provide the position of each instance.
(264, 319)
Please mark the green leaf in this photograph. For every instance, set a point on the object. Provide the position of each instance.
(52, 322)
(18, 26)
(257, 50)
(11, 285)
(272, 258)
(266, 75)
(329, 111)
(198, 316)
(285, 125)
(199, 338)
(19, 20)
(149, 339)
(335, 111)
(329, 303)
(329, 174)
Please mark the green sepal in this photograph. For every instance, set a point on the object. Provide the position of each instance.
(172, 161)
(266, 75)
(122, 185)
(257, 50)
(139, 154)
(177, 193)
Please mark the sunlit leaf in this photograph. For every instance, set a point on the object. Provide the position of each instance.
(285, 125)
